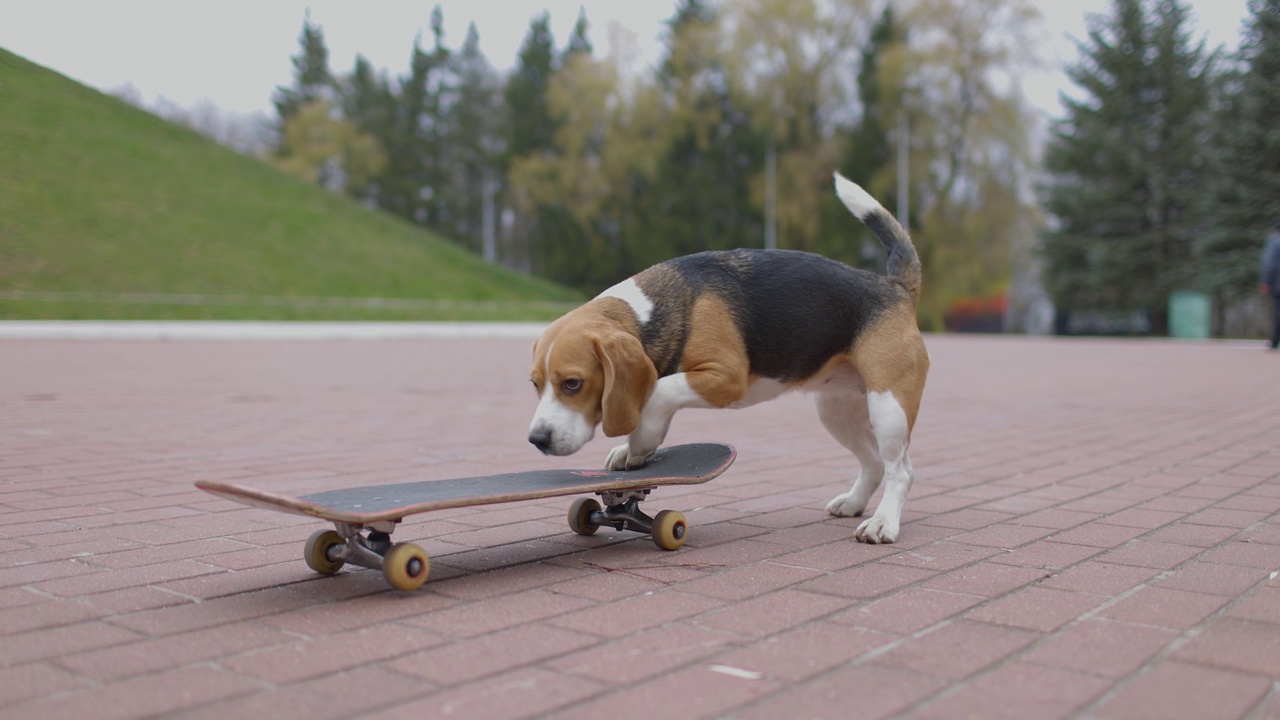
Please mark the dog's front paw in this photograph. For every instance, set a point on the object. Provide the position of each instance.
(846, 505)
(878, 529)
(621, 458)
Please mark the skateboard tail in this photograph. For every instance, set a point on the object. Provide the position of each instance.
(270, 501)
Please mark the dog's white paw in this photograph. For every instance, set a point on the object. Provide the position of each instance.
(878, 529)
(620, 458)
(846, 505)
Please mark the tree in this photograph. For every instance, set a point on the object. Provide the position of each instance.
(368, 102)
(866, 150)
(701, 197)
(1245, 195)
(321, 148)
(791, 61)
(311, 77)
(416, 171)
(579, 43)
(1126, 164)
(475, 127)
(956, 82)
(526, 91)
(531, 134)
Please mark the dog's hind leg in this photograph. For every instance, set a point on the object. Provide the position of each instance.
(844, 414)
(892, 433)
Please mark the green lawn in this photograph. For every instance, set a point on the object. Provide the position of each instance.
(99, 199)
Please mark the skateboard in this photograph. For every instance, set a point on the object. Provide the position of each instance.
(365, 517)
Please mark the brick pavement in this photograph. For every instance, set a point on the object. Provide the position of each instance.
(1094, 532)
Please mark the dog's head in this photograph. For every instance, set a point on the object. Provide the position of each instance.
(588, 371)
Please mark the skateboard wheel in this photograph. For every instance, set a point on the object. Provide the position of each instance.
(316, 552)
(669, 529)
(580, 516)
(406, 566)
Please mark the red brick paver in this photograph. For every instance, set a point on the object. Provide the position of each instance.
(1094, 532)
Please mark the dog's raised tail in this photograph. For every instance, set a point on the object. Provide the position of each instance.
(903, 265)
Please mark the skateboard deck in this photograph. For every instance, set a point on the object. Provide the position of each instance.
(364, 517)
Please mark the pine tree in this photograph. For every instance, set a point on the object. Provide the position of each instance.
(368, 102)
(475, 123)
(578, 40)
(532, 131)
(1126, 162)
(1245, 198)
(532, 128)
(311, 77)
(415, 171)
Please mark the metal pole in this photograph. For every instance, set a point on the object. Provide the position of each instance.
(490, 247)
(771, 196)
(904, 186)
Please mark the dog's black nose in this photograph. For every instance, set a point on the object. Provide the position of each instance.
(541, 439)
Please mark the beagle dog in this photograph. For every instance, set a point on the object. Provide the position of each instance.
(729, 329)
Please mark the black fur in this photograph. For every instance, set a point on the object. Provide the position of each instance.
(795, 310)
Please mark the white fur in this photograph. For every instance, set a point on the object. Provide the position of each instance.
(858, 201)
(569, 428)
(874, 428)
(672, 393)
(629, 292)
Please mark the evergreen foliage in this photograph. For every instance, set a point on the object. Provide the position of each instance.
(1245, 198)
(526, 92)
(473, 151)
(312, 79)
(1127, 164)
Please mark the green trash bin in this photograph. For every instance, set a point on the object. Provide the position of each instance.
(1189, 314)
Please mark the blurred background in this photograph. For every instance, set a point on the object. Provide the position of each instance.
(1099, 167)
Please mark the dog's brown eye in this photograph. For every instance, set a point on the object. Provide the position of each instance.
(571, 386)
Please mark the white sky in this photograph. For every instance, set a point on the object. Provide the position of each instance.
(236, 52)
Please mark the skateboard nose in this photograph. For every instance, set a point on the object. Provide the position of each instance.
(541, 439)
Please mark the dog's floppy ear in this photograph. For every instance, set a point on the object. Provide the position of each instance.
(629, 377)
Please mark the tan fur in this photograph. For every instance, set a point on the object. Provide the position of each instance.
(838, 364)
(597, 343)
(891, 357)
(715, 355)
(628, 378)
(662, 281)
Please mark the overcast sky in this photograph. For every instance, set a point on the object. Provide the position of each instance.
(235, 52)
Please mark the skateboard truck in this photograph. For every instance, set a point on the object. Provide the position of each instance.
(360, 550)
(622, 511)
(404, 565)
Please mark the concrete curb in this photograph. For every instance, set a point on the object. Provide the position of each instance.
(215, 330)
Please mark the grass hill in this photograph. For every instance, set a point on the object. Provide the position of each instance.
(107, 211)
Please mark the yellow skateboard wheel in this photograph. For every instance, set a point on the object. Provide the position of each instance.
(316, 552)
(669, 529)
(580, 516)
(406, 566)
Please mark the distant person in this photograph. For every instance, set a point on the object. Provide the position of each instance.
(1271, 280)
